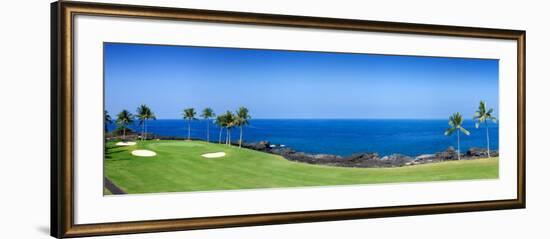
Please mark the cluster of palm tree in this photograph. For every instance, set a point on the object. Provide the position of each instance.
(125, 118)
(481, 116)
(227, 121)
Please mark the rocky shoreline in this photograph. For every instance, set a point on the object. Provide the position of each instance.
(360, 160)
(369, 159)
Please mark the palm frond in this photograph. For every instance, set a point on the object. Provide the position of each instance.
(482, 114)
(477, 114)
(242, 116)
(107, 117)
(189, 114)
(207, 113)
(451, 123)
(455, 121)
(124, 117)
(449, 131)
(465, 131)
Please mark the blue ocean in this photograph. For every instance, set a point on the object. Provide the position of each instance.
(341, 136)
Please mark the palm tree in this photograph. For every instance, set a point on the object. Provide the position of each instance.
(229, 124)
(207, 113)
(124, 118)
(481, 116)
(107, 120)
(455, 123)
(241, 121)
(144, 114)
(189, 115)
(220, 122)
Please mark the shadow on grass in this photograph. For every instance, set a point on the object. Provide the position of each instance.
(118, 159)
(114, 147)
(115, 151)
(111, 150)
(112, 158)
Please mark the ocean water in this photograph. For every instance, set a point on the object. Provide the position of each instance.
(341, 136)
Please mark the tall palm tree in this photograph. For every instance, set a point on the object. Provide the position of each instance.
(189, 115)
(242, 118)
(481, 116)
(124, 118)
(144, 113)
(107, 120)
(220, 122)
(455, 123)
(207, 113)
(230, 122)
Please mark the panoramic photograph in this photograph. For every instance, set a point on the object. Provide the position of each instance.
(192, 118)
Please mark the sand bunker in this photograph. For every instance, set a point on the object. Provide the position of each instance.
(125, 143)
(214, 155)
(143, 153)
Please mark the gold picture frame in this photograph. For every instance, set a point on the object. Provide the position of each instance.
(62, 128)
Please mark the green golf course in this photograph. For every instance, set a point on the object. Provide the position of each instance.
(179, 166)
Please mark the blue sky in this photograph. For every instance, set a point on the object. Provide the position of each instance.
(293, 84)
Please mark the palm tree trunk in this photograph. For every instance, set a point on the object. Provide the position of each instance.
(124, 134)
(241, 137)
(188, 129)
(458, 140)
(145, 129)
(228, 137)
(220, 139)
(487, 131)
(207, 131)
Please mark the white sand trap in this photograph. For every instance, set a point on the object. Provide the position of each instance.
(143, 153)
(125, 143)
(214, 155)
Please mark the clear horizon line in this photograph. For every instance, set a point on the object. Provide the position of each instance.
(324, 118)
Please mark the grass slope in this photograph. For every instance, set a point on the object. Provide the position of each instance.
(179, 167)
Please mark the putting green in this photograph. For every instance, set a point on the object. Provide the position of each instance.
(179, 167)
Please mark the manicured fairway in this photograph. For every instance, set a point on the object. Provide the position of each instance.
(179, 167)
